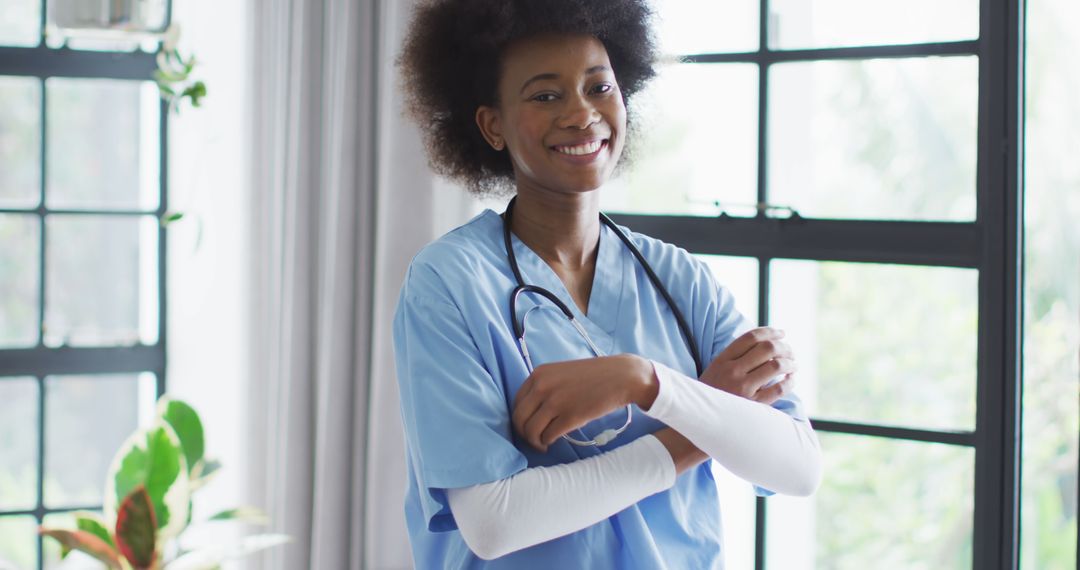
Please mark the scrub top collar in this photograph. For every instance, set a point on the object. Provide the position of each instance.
(609, 279)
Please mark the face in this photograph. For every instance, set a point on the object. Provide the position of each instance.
(560, 114)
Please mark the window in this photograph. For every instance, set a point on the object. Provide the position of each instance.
(82, 321)
(853, 172)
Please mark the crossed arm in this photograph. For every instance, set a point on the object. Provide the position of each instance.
(725, 416)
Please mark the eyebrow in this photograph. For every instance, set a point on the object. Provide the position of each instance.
(592, 70)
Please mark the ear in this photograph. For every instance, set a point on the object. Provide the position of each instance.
(490, 122)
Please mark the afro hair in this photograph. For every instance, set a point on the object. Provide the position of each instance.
(450, 67)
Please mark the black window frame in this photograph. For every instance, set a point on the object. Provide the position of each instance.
(992, 244)
(40, 361)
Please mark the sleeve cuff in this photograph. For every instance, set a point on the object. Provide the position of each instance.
(667, 380)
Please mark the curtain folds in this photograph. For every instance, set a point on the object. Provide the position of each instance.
(312, 142)
(342, 200)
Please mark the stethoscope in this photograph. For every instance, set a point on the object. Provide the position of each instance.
(607, 435)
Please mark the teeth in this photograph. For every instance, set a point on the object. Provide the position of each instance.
(580, 149)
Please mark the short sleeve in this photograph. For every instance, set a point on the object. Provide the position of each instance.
(730, 324)
(455, 414)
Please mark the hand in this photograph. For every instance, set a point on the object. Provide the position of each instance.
(748, 363)
(563, 396)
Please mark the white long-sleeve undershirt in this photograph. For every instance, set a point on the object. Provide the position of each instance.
(754, 441)
(542, 503)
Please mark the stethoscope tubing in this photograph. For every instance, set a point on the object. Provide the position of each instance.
(519, 329)
(680, 320)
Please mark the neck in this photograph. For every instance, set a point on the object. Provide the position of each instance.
(562, 229)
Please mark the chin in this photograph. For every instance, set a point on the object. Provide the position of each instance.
(583, 186)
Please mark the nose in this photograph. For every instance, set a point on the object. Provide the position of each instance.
(579, 113)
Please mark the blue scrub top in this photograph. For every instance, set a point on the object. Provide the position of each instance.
(459, 368)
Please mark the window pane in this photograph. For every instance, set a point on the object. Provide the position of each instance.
(697, 142)
(738, 517)
(883, 504)
(51, 548)
(740, 276)
(19, 442)
(20, 22)
(20, 141)
(19, 277)
(883, 139)
(18, 542)
(737, 499)
(882, 344)
(102, 280)
(86, 420)
(1051, 417)
(687, 27)
(83, 172)
(836, 23)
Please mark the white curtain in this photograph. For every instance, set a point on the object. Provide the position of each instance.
(312, 126)
(342, 200)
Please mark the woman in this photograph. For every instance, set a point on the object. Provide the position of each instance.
(541, 441)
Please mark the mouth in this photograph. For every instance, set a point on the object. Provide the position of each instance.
(582, 152)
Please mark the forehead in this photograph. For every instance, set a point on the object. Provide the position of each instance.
(558, 54)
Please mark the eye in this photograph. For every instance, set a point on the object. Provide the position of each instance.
(543, 97)
(601, 88)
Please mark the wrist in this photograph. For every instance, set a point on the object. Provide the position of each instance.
(684, 454)
(645, 386)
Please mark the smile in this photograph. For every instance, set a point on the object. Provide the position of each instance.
(585, 150)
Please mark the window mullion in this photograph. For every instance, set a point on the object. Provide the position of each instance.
(1000, 203)
(947, 244)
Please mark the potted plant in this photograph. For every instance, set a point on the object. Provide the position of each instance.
(148, 502)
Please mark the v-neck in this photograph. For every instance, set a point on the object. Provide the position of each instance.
(607, 286)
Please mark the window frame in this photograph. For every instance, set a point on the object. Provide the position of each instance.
(41, 361)
(992, 244)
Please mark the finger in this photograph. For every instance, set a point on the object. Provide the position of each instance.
(760, 376)
(526, 401)
(761, 353)
(534, 427)
(524, 408)
(527, 385)
(558, 427)
(773, 393)
(748, 340)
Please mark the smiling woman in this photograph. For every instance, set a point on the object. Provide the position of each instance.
(450, 69)
(564, 126)
(564, 451)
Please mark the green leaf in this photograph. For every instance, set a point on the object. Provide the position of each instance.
(182, 417)
(136, 529)
(153, 458)
(204, 472)
(85, 542)
(196, 92)
(167, 219)
(92, 523)
(243, 514)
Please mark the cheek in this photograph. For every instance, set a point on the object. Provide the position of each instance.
(617, 119)
(531, 128)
